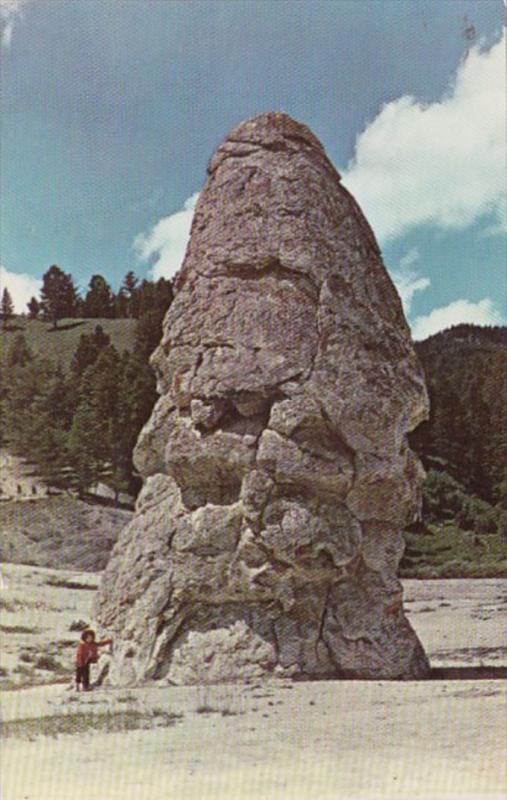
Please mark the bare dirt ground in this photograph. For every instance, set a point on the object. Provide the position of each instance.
(276, 741)
(461, 622)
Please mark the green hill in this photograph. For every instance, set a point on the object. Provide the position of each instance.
(462, 446)
(59, 345)
(466, 435)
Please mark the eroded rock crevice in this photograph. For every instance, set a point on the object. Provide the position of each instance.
(277, 476)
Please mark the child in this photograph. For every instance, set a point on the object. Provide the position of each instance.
(87, 653)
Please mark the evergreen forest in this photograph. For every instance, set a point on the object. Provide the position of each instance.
(76, 412)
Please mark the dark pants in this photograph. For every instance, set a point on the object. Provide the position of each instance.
(83, 676)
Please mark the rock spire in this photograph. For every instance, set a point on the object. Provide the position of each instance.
(277, 474)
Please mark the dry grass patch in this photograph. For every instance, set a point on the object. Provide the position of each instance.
(49, 664)
(205, 709)
(63, 583)
(17, 629)
(76, 724)
(9, 605)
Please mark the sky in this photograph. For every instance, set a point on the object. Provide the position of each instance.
(111, 110)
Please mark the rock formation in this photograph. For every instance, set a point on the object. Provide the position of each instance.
(277, 475)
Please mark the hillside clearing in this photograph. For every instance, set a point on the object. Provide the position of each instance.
(60, 531)
(59, 345)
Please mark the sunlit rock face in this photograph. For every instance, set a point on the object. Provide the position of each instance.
(277, 474)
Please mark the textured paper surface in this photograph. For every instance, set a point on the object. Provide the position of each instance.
(111, 110)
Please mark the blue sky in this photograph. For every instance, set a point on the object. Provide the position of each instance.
(112, 108)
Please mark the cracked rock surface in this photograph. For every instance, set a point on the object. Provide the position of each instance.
(277, 474)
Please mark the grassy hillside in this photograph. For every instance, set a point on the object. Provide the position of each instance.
(462, 447)
(446, 551)
(464, 525)
(59, 345)
(59, 531)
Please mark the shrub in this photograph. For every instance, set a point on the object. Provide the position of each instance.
(48, 663)
(17, 629)
(78, 625)
(488, 522)
(66, 584)
(27, 657)
(445, 498)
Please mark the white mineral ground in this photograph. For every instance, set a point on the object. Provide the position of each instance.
(270, 741)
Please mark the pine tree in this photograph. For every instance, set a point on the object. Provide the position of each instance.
(33, 308)
(146, 297)
(163, 294)
(28, 381)
(37, 410)
(121, 305)
(7, 307)
(58, 295)
(54, 410)
(49, 450)
(128, 292)
(106, 379)
(99, 300)
(82, 446)
(88, 349)
(148, 333)
(138, 398)
(3, 426)
(18, 354)
(3, 396)
(102, 380)
(96, 431)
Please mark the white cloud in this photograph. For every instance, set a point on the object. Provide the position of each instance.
(442, 163)
(407, 280)
(411, 257)
(9, 11)
(164, 246)
(481, 313)
(22, 288)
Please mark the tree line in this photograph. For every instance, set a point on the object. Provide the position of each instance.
(80, 425)
(466, 434)
(463, 445)
(60, 299)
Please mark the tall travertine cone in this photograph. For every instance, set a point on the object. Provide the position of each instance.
(277, 475)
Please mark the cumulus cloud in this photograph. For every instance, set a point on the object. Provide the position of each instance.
(10, 10)
(442, 163)
(481, 313)
(22, 287)
(164, 246)
(407, 280)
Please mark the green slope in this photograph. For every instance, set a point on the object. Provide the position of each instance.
(59, 345)
(466, 435)
(446, 551)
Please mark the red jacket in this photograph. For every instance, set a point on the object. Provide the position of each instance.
(88, 652)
